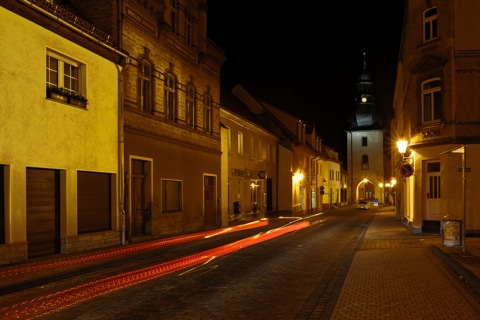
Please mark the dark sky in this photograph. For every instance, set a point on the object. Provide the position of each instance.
(306, 60)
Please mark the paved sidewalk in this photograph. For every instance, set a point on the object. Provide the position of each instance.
(399, 275)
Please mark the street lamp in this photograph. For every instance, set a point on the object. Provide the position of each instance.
(402, 146)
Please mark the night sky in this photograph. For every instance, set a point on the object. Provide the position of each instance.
(306, 60)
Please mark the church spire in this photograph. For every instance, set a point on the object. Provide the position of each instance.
(365, 99)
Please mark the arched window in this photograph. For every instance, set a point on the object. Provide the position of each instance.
(173, 15)
(431, 100)
(170, 97)
(146, 100)
(208, 114)
(190, 103)
(188, 27)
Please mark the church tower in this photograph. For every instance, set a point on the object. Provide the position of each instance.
(365, 145)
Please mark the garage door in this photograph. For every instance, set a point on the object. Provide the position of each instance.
(2, 205)
(43, 212)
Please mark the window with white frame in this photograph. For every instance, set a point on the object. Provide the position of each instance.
(430, 24)
(431, 101)
(207, 117)
(170, 97)
(65, 75)
(171, 195)
(240, 143)
(146, 101)
(190, 106)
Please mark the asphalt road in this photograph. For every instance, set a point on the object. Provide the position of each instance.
(280, 278)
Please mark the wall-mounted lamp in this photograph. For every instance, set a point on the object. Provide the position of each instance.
(298, 177)
(402, 148)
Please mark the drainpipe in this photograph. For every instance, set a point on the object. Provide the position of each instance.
(121, 157)
(121, 133)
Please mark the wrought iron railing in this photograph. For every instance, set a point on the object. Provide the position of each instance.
(67, 16)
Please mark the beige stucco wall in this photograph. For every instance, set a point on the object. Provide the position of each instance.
(42, 133)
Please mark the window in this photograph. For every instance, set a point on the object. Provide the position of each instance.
(252, 147)
(431, 101)
(229, 139)
(260, 154)
(173, 15)
(208, 113)
(364, 162)
(430, 24)
(171, 195)
(170, 97)
(188, 27)
(190, 106)
(433, 169)
(240, 143)
(65, 76)
(146, 101)
(364, 141)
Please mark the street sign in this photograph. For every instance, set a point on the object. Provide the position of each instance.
(406, 170)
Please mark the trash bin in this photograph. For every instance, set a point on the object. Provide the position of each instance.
(236, 207)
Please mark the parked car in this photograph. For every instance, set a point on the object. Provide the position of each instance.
(362, 205)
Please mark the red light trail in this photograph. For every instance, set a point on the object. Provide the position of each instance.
(57, 301)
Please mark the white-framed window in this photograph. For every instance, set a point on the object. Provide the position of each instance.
(66, 74)
(170, 97)
(191, 106)
(146, 86)
(207, 117)
(171, 195)
(173, 9)
(240, 143)
(430, 24)
(431, 100)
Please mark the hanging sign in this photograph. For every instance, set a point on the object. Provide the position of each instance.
(406, 170)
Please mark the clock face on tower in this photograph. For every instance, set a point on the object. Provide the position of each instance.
(364, 99)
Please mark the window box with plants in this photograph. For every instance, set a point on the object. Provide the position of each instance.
(57, 93)
(66, 96)
(77, 100)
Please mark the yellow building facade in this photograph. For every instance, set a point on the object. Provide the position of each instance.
(58, 138)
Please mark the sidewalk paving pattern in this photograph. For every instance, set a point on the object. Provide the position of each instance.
(399, 275)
